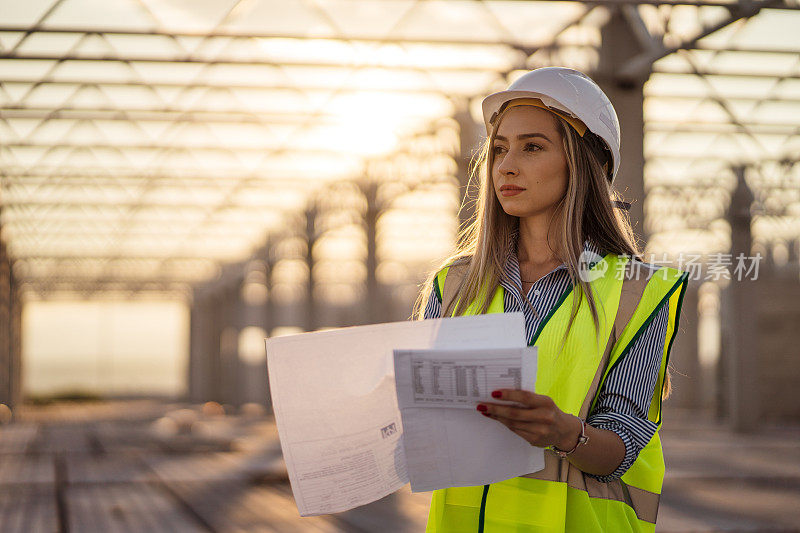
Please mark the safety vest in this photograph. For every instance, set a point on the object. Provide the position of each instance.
(561, 498)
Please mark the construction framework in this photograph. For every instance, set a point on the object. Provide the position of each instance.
(321, 152)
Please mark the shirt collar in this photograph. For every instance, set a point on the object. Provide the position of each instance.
(588, 246)
(512, 276)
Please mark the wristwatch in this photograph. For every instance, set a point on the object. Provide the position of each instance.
(582, 440)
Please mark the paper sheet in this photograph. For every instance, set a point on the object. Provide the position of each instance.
(335, 404)
(460, 378)
(455, 447)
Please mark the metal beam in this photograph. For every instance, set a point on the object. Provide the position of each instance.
(47, 198)
(96, 180)
(155, 280)
(297, 88)
(93, 244)
(109, 258)
(161, 32)
(26, 231)
(367, 38)
(155, 264)
(166, 113)
(705, 72)
(267, 149)
(687, 56)
(711, 97)
(12, 214)
(721, 127)
(115, 292)
(153, 173)
(193, 59)
(642, 64)
(706, 47)
(727, 161)
(118, 114)
(50, 172)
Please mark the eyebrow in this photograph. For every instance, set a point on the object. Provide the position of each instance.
(524, 136)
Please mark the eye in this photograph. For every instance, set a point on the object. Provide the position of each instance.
(497, 149)
(532, 147)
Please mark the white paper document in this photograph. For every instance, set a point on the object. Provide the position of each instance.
(460, 378)
(452, 447)
(341, 431)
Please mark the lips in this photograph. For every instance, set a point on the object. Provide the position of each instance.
(510, 190)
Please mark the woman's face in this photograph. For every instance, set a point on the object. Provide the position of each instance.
(529, 171)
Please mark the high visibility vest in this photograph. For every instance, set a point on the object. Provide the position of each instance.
(561, 498)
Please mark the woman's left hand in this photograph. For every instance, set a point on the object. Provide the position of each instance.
(537, 419)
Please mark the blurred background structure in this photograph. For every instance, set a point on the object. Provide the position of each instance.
(180, 179)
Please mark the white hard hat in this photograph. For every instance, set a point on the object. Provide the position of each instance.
(566, 91)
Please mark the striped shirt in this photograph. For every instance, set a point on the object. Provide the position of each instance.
(624, 398)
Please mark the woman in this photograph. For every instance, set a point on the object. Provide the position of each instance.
(550, 240)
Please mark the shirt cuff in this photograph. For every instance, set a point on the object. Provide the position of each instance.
(634, 432)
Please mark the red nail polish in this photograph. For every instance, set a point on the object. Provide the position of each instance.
(481, 408)
(497, 394)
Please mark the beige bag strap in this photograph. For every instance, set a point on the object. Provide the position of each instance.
(632, 291)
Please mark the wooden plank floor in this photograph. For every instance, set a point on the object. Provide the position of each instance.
(131, 467)
(126, 508)
(27, 509)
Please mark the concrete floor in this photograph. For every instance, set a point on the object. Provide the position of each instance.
(721, 481)
(148, 466)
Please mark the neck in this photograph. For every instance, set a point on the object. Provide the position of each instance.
(535, 245)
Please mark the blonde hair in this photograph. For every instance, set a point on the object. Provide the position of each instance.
(586, 211)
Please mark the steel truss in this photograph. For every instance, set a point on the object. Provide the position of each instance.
(136, 168)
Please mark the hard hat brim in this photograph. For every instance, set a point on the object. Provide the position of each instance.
(492, 103)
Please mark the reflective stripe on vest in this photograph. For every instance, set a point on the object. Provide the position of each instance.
(560, 497)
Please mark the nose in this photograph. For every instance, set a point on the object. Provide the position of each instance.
(507, 165)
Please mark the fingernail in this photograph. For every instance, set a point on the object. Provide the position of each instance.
(482, 408)
(497, 394)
